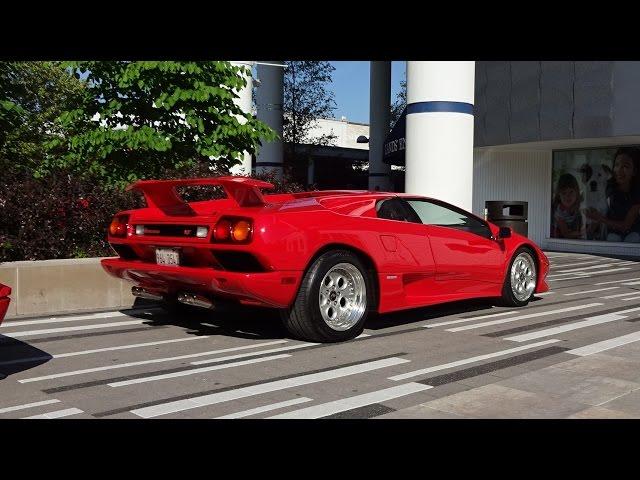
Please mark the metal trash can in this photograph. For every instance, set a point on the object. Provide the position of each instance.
(511, 214)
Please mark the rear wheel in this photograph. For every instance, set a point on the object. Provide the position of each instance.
(521, 279)
(333, 301)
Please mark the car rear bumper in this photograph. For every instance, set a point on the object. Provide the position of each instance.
(273, 289)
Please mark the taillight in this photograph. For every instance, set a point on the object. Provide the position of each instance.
(118, 227)
(232, 230)
(241, 231)
(222, 231)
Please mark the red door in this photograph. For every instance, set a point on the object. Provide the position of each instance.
(461, 255)
(463, 249)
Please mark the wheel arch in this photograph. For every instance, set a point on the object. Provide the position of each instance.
(536, 258)
(363, 256)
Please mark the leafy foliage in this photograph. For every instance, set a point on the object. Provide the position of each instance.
(306, 99)
(66, 215)
(138, 119)
(32, 96)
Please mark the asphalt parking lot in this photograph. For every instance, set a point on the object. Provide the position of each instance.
(573, 352)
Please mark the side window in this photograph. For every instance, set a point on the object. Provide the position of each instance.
(431, 213)
(392, 209)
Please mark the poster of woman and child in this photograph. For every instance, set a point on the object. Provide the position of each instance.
(596, 194)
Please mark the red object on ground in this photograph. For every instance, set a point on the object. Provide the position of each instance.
(5, 291)
(414, 264)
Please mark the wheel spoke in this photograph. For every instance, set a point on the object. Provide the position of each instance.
(523, 277)
(342, 296)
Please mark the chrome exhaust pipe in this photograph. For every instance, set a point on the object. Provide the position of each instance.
(142, 293)
(195, 300)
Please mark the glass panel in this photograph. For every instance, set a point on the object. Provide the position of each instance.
(435, 214)
(391, 209)
(596, 194)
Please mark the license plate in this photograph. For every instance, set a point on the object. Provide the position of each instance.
(167, 256)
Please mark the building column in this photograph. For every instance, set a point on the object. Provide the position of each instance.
(379, 114)
(270, 98)
(439, 148)
(245, 102)
(311, 172)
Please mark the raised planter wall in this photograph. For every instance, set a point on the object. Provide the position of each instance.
(50, 287)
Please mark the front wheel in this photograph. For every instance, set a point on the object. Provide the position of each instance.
(521, 279)
(333, 301)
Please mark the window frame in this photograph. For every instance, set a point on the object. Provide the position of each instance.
(453, 208)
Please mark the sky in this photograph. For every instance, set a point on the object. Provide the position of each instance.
(351, 88)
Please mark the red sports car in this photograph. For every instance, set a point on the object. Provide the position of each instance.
(325, 259)
(4, 300)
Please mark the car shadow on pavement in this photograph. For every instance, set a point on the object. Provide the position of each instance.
(245, 322)
(264, 323)
(17, 356)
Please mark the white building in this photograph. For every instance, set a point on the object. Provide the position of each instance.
(345, 133)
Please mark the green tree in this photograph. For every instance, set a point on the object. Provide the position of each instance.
(32, 96)
(139, 119)
(306, 99)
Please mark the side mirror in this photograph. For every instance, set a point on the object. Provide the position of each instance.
(505, 232)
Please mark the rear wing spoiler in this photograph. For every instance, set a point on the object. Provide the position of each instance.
(244, 191)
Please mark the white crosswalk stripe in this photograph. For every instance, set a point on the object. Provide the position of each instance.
(98, 350)
(261, 352)
(590, 291)
(196, 371)
(358, 401)
(563, 265)
(605, 345)
(628, 294)
(46, 331)
(146, 362)
(28, 405)
(620, 281)
(471, 319)
(591, 321)
(132, 345)
(79, 318)
(523, 317)
(595, 267)
(465, 361)
(67, 412)
(305, 379)
(566, 279)
(266, 408)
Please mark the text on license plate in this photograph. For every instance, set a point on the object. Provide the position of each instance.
(167, 256)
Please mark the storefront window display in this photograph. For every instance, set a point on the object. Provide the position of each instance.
(596, 194)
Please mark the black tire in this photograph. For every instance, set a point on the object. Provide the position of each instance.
(304, 319)
(508, 298)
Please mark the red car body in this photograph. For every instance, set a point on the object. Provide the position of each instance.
(5, 291)
(414, 264)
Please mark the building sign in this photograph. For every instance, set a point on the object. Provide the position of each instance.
(596, 194)
(394, 144)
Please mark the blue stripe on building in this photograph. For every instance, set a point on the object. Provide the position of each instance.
(427, 107)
